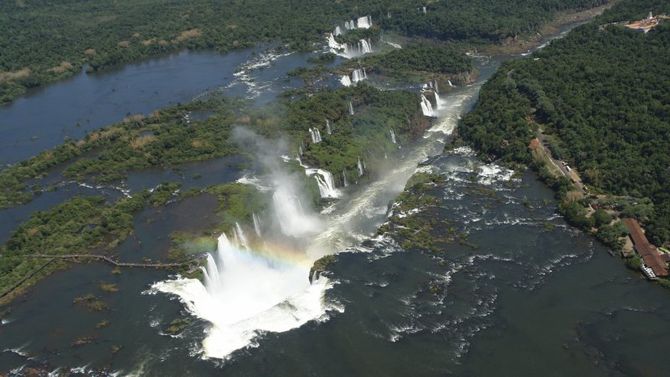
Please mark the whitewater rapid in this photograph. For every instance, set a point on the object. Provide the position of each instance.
(265, 287)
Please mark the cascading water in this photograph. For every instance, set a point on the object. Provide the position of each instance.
(365, 46)
(329, 130)
(345, 81)
(364, 22)
(248, 292)
(424, 10)
(393, 136)
(361, 171)
(351, 108)
(239, 235)
(345, 182)
(438, 101)
(345, 50)
(315, 134)
(326, 183)
(450, 84)
(427, 107)
(257, 224)
(358, 75)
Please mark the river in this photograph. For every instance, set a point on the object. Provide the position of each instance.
(526, 295)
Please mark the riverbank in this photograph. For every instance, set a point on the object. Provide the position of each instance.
(562, 23)
(123, 35)
(546, 126)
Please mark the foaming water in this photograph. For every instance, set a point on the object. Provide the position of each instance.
(255, 284)
(246, 292)
(358, 217)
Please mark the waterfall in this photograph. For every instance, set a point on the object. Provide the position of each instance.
(336, 47)
(349, 51)
(245, 293)
(300, 151)
(294, 220)
(239, 235)
(326, 183)
(438, 101)
(394, 45)
(329, 130)
(333, 44)
(346, 81)
(315, 134)
(393, 136)
(257, 224)
(366, 46)
(424, 10)
(360, 168)
(437, 90)
(345, 182)
(358, 75)
(361, 48)
(388, 14)
(338, 31)
(364, 22)
(351, 108)
(300, 163)
(427, 107)
(350, 25)
(450, 84)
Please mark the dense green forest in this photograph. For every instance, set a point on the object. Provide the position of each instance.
(169, 137)
(420, 57)
(602, 97)
(76, 226)
(165, 138)
(43, 41)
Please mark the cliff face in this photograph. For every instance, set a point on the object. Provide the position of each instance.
(418, 125)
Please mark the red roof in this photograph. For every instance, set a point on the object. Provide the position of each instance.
(647, 251)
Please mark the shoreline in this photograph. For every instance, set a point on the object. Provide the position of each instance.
(550, 30)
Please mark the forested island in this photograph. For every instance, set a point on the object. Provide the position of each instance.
(62, 37)
(598, 100)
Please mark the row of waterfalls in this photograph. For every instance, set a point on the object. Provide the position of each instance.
(348, 50)
(357, 75)
(258, 280)
(428, 108)
(364, 22)
(351, 50)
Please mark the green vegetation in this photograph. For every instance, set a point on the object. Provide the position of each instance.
(416, 221)
(163, 139)
(421, 58)
(320, 266)
(77, 226)
(91, 303)
(177, 326)
(602, 96)
(477, 20)
(364, 135)
(44, 41)
(167, 139)
(236, 203)
(352, 37)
